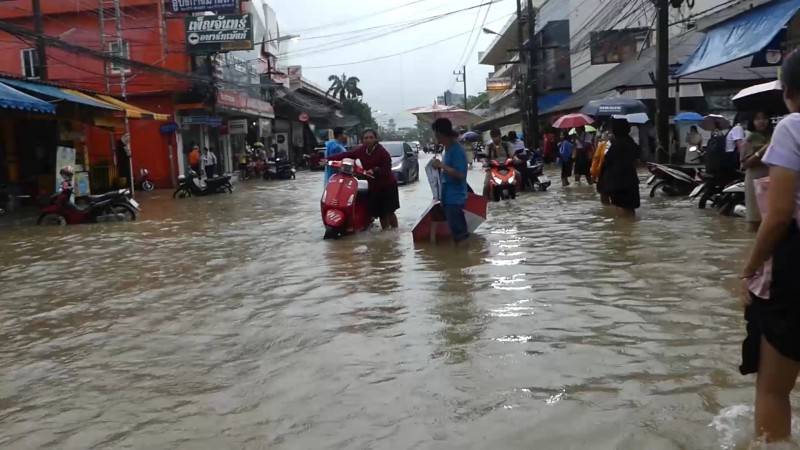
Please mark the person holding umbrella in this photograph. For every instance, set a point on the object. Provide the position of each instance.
(618, 177)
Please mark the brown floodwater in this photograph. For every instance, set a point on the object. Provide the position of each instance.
(226, 322)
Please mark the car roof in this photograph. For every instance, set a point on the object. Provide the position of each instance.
(394, 142)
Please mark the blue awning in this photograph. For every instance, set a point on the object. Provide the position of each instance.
(60, 94)
(548, 101)
(740, 36)
(12, 98)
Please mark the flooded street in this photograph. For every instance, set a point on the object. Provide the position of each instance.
(226, 322)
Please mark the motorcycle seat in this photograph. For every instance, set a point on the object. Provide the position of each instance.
(100, 197)
(221, 178)
(691, 171)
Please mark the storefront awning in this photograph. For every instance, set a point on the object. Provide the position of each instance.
(14, 99)
(58, 93)
(134, 112)
(740, 36)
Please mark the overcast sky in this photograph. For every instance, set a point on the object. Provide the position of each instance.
(397, 83)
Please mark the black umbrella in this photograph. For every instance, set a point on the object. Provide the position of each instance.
(613, 106)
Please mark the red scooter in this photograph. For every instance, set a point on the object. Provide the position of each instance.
(115, 206)
(503, 182)
(345, 201)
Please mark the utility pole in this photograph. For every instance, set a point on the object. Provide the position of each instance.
(463, 75)
(41, 51)
(532, 136)
(523, 109)
(662, 75)
(123, 90)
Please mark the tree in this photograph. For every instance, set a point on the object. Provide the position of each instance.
(344, 87)
(361, 111)
(478, 101)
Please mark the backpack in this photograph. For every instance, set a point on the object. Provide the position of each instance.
(715, 153)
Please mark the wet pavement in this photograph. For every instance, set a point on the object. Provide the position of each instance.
(226, 322)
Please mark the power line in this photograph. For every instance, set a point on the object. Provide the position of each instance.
(399, 53)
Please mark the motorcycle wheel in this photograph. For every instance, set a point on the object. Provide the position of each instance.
(179, 193)
(52, 219)
(129, 214)
(704, 199)
(148, 186)
(512, 194)
(655, 189)
(229, 187)
(331, 233)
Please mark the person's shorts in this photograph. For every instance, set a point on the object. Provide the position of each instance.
(384, 202)
(628, 199)
(196, 168)
(457, 222)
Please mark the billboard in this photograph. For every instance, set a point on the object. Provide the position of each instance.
(190, 6)
(499, 84)
(219, 33)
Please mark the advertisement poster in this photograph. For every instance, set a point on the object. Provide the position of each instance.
(65, 156)
(220, 33)
(81, 184)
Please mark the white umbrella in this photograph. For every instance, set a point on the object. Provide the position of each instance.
(758, 89)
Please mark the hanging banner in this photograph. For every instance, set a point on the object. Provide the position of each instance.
(216, 6)
(220, 33)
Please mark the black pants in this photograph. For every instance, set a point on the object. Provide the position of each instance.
(210, 171)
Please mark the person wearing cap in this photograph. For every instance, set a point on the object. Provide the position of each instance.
(453, 166)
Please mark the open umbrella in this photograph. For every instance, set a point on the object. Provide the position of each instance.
(471, 136)
(711, 119)
(766, 97)
(588, 128)
(635, 118)
(689, 117)
(610, 106)
(573, 121)
(459, 117)
(432, 225)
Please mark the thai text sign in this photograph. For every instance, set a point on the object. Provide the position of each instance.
(219, 33)
(188, 6)
(498, 84)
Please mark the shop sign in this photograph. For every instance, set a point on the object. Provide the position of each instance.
(190, 6)
(202, 120)
(499, 84)
(238, 126)
(248, 105)
(167, 128)
(219, 33)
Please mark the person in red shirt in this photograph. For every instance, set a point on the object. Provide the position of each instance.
(384, 196)
(549, 147)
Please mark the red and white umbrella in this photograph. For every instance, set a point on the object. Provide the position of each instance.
(573, 121)
(459, 117)
(432, 225)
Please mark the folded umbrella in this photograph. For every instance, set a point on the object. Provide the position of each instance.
(573, 121)
(432, 225)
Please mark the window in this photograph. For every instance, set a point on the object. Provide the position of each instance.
(30, 63)
(121, 52)
(616, 46)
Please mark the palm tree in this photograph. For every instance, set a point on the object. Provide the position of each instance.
(344, 87)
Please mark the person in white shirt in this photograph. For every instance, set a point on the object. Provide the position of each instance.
(735, 139)
(209, 162)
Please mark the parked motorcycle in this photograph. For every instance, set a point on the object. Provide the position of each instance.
(279, 169)
(345, 201)
(144, 181)
(502, 182)
(187, 187)
(712, 187)
(731, 201)
(673, 180)
(535, 179)
(114, 206)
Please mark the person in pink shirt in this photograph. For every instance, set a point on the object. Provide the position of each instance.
(772, 345)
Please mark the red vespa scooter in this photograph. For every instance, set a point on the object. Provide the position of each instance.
(345, 201)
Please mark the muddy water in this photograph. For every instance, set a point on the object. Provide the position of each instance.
(226, 322)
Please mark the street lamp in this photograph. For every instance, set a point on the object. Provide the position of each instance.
(488, 31)
(288, 37)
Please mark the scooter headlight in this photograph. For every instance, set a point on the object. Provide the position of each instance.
(497, 180)
(512, 180)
